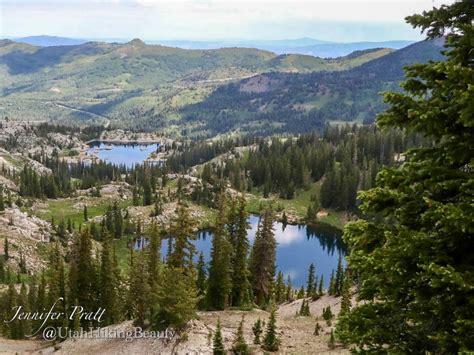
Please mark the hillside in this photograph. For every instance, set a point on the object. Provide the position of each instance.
(305, 46)
(328, 50)
(297, 334)
(133, 82)
(195, 92)
(285, 102)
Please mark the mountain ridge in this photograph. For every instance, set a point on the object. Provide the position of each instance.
(295, 103)
(198, 92)
(305, 45)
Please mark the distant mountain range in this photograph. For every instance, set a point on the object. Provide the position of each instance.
(279, 102)
(307, 46)
(199, 93)
(48, 41)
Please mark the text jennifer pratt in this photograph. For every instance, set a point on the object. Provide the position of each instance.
(45, 316)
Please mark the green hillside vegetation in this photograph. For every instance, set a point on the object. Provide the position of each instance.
(280, 102)
(306, 63)
(146, 84)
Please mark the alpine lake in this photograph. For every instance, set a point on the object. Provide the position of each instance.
(297, 245)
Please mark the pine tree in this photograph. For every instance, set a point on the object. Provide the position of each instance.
(240, 347)
(33, 291)
(140, 295)
(11, 301)
(41, 299)
(108, 288)
(2, 202)
(117, 221)
(320, 288)
(182, 230)
(311, 283)
(300, 293)
(346, 297)
(24, 326)
(158, 205)
(9, 198)
(56, 283)
(135, 196)
(61, 229)
(257, 331)
(220, 268)
(339, 279)
(240, 275)
(327, 315)
(153, 255)
(412, 252)
(289, 290)
(69, 225)
(262, 262)
(147, 191)
(22, 264)
(280, 289)
(95, 233)
(332, 285)
(317, 328)
(2, 270)
(177, 298)
(217, 343)
(332, 341)
(271, 342)
(304, 309)
(5, 249)
(201, 281)
(82, 274)
(85, 213)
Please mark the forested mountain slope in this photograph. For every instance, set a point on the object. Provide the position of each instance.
(284, 102)
(199, 93)
(133, 81)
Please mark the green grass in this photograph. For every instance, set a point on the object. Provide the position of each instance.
(297, 206)
(334, 218)
(122, 253)
(64, 208)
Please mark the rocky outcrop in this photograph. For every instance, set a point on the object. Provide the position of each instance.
(25, 233)
(296, 334)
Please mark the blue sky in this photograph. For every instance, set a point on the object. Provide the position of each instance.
(342, 21)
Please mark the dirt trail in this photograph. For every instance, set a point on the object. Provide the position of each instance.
(296, 334)
(8, 346)
(96, 115)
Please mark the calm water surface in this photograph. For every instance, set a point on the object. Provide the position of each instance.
(298, 247)
(122, 154)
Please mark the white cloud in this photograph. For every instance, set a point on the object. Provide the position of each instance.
(291, 235)
(348, 20)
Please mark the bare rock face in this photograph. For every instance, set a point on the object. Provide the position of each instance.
(25, 233)
(63, 141)
(117, 189)
(27, 141)
(16, 162)
(7, 183)
(120, 135)
(38, 167)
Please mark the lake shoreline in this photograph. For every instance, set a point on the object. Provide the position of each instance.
(126, 141)
(124, 153)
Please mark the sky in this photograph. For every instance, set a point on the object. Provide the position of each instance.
(339, 21)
